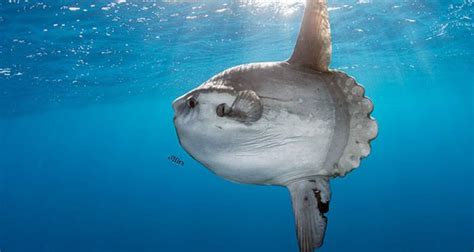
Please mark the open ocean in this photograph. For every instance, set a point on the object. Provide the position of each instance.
(86, 126)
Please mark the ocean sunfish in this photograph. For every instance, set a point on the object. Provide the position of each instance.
(293, 123)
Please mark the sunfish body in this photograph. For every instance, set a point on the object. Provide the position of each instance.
(293, 123)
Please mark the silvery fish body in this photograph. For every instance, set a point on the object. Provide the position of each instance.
(293, 123)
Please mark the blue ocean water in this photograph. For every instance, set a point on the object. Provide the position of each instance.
(86, 126)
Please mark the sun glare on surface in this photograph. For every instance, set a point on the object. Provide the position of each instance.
(285, 7)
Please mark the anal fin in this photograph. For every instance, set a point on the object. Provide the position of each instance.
(310, 200)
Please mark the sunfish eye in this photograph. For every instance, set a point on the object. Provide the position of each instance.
(191, 102)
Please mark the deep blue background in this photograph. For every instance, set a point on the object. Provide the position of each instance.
(86, 127)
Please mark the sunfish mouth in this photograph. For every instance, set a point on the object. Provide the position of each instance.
(177, 105)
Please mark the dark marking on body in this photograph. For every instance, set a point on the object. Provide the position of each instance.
(322, 206)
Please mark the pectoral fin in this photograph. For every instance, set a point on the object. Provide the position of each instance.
(247, 107)
(313, 47)
(310, 200)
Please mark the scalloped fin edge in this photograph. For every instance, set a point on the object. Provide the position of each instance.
(363, 127)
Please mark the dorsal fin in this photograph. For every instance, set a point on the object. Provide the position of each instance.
(313, 47)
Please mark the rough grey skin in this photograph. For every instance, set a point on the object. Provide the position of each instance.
(293, 123)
